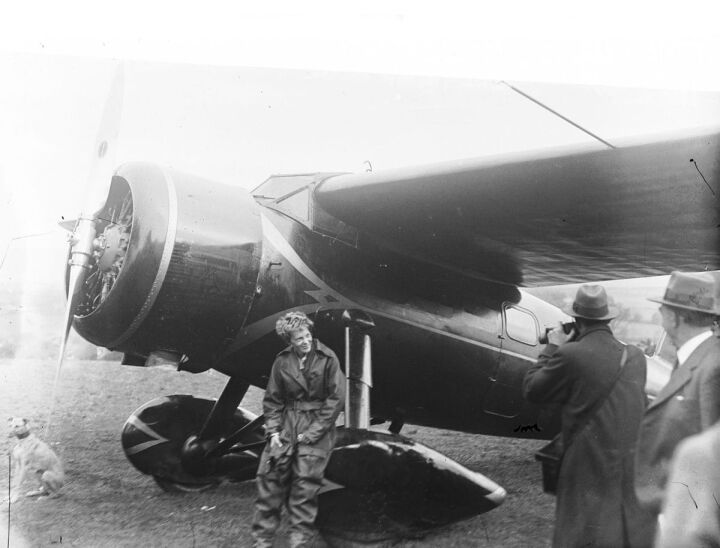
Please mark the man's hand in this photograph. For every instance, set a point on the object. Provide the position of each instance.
(275, 442)
(557, 335)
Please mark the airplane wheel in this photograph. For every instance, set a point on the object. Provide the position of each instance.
(155, 435)
(170, 486)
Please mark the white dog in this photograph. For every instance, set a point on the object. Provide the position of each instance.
(31, 455)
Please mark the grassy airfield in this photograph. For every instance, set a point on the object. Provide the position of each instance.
(107, 503)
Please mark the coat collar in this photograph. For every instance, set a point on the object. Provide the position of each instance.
(682, 375)
(319, 348)
(686, 350)
(322, 349)
(294, 362)
(679, 378)
(596, 328)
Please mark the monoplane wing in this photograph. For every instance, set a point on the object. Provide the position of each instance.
(551, 217)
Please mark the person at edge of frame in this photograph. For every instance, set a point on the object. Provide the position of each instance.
(691, 511)
(596, 504)
(303, 398)
(690, 401)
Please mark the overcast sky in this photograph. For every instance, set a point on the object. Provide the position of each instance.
(191, 102)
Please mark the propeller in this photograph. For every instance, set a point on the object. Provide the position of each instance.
(82, 238)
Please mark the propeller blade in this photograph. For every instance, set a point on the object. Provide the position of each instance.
(81, 252)
(84, 233)
(81, 247)
(103, 164)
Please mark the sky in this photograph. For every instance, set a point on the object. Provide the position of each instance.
(191, 101)
(54, 101)
(239, 125)
(238, 93)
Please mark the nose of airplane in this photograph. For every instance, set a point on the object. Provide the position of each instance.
(174, 263)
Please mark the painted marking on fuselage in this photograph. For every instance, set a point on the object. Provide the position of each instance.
(145, 429)
(328, 486)
(260, 328)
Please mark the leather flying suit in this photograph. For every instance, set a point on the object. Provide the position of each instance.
(297, 402)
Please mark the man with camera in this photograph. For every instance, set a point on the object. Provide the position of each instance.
(599, 382)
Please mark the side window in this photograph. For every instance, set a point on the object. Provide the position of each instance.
(521, 326)
(297, 205)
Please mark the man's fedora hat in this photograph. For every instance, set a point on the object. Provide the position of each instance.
(591, 303)
(690, 292)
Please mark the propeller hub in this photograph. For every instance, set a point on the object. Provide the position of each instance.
(81, 244)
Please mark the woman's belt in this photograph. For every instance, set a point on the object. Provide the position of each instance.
(300, 405)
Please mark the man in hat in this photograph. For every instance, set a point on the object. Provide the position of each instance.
(690, 402)
(600, 384)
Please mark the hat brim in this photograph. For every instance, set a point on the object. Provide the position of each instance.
(684, 307)
(612, 313)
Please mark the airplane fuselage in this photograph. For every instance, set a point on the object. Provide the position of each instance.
(207, 270)
(434, 363)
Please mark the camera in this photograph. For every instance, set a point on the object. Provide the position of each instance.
(567, 327)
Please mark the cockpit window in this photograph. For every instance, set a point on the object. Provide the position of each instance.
(297, 205)
(521, 326)
(292, 195)
(281, 185)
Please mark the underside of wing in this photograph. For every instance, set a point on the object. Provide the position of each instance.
(551, 217)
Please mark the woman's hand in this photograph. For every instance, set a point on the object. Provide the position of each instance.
(275, 442)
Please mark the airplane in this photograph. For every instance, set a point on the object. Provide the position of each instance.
(429, 263)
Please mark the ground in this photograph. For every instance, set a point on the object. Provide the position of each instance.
(107, 503)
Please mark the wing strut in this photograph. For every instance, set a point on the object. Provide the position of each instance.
(556, 113)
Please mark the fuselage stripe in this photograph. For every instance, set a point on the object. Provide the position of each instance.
(145, 429)
(273, 235)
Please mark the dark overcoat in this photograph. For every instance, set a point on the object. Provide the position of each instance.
(686, 405)
(596, 503)
(297, 403)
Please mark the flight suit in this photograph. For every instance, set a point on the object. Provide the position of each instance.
(296, 402)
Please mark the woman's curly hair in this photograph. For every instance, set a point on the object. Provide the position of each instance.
(292, 321)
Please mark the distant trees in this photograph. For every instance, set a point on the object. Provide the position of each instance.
(7, 350)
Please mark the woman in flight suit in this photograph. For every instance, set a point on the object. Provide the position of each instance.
(303, 398)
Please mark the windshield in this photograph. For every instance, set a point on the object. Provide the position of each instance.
(280, 185)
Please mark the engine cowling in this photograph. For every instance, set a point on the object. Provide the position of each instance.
(175, 264)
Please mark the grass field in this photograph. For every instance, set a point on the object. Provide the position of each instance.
(107, 503)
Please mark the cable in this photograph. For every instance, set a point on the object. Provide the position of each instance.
(556, 113)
